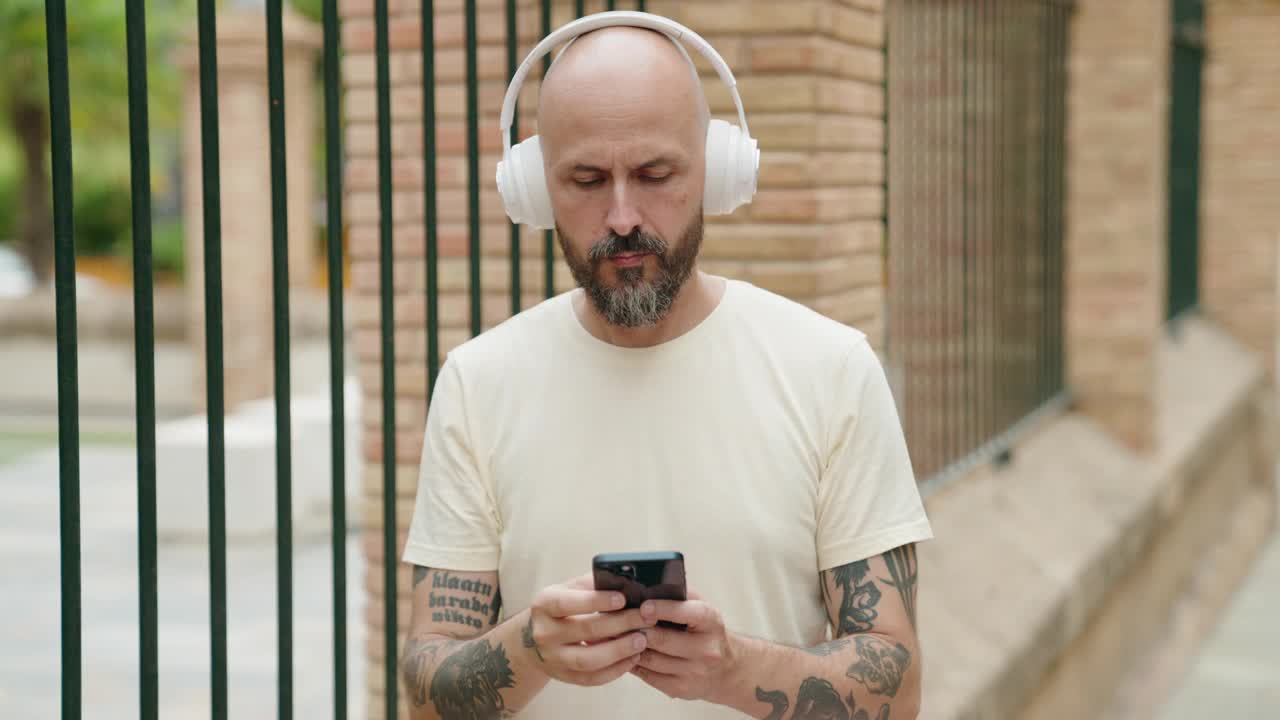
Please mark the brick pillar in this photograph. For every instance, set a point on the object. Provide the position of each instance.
(245, 165)
(810, 73)
(1117, 189)
(1240, 174)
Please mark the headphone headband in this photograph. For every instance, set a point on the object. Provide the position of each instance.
(615, 18)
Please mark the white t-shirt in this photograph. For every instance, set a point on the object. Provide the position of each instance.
(763, 444)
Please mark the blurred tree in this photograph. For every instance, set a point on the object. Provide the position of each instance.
(98, 78)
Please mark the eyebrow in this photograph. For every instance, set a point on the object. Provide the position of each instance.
(656, 162)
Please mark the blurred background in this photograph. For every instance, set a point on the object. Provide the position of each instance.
(1057, 221)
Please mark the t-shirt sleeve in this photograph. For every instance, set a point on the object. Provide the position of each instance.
(868, 501)
(455, 519)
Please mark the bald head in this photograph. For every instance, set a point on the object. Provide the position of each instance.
(622, 74)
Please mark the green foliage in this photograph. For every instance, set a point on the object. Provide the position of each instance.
(102, 212)
(8, 188)
(168, 253)
(98, 82)
(97, 72)
(311, 9)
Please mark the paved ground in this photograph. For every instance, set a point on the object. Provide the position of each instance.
(1237, 673)
(29, 604)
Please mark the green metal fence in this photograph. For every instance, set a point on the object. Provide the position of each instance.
(68, 392)
(1184, 156)
(976, 118)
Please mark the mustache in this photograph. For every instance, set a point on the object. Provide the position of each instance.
(633, 242)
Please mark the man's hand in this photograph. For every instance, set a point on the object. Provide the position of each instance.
(579, 636)
(688, 664)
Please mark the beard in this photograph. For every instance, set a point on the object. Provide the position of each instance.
(635, 300)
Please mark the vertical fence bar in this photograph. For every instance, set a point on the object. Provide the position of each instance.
(610, 5)
(887, 257)
(1024, 64)
(280, 293)
(968, 437)
(386, 290)
(906, 49)
(212, 208)
(548, 237)
(1046, 102)
(949, 230)
(429, 165)
(64, 257)
(144, 354)
(1061, 34)
(1000, 374)
(473, 165)
(337, 371)
(986, 249)
(579, 8)
(640, 5)
(512, 40)
(937, 226)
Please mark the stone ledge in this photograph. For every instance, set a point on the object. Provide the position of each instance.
(107, 313)
(1027, 557)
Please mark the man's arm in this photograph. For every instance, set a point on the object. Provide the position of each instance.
(870, 671)
(458, 662)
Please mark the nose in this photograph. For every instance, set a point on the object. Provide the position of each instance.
(623, 216)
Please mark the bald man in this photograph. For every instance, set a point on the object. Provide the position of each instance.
(657, 407)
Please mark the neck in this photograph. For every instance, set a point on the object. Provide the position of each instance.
(698, 297)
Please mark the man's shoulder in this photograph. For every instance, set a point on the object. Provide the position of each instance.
(779, 321)
(523, 335)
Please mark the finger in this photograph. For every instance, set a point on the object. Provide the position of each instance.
(655, 680)
(590, 658)
(693, 594)
(563, 602)
(604, 676)
(697, 615)
(602, 626)
(585, 581)
(663, 663)
(675, 643)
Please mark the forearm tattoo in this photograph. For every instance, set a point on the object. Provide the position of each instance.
(466, 683)
(526, 639)
(420, 657)
(817, 699)
(461, 678)
(880, 666)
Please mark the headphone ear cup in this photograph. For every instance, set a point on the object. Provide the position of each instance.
(523, 186)
(733, 165)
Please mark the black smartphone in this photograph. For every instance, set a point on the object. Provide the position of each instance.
(642, 576)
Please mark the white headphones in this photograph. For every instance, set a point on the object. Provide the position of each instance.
(733, 159)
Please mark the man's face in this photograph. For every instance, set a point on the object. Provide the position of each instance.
(623, 146)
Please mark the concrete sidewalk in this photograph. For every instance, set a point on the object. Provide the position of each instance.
(1236, 673)
(30, 673)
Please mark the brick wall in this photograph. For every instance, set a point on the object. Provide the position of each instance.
(810, 74)
(1117, 160)
(1240, 171)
